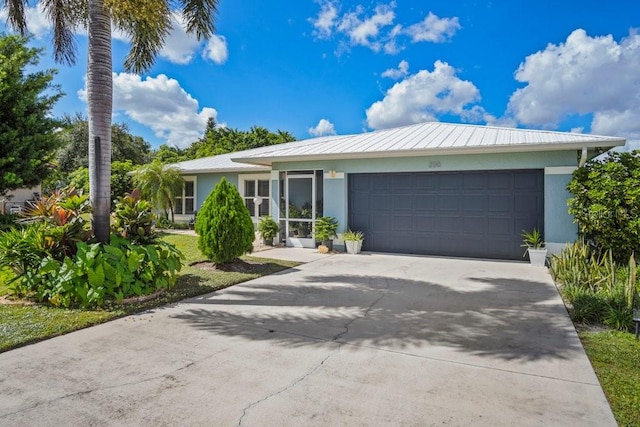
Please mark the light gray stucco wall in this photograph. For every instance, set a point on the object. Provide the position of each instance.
(206, 182)
(559, 227)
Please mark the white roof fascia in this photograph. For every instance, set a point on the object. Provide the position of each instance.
(265, 160)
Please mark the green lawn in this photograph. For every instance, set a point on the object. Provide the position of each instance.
(21, 325)
(615, 357)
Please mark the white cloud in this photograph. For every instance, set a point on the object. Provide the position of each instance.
(397, 73)
(584, 75)
(324, 127)
(424, 96)
(179, 47)
(161, 104)
(365, 32)
(216, 49)
(37, 21)
(377, 29)
(434, 29)
(325, 23)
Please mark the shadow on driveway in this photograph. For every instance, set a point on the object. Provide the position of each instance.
(502, 317)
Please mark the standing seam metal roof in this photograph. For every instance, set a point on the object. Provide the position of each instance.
(431, 136)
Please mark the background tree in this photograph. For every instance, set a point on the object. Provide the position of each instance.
(224, 225)
(166, 154)
(74, 152)
(147, 23)
(606, 203)
(27, 138)
(221, 140)
(121, 180)
(160, 184)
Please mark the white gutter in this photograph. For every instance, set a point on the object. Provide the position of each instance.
(583, 157)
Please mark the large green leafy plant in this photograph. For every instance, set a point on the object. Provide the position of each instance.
(606, 203)
(53, 260)
(133, 218)
(224, 225)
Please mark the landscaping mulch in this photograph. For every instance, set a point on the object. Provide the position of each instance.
(236, 266)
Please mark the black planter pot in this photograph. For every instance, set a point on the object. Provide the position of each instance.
(328, 243)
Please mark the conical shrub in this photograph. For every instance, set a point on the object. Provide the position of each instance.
(224, 226)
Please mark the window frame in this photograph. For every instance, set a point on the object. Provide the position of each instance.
(183, 198)
(242, 179)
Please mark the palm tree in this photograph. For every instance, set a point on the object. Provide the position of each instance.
(147, 22)
(160, 184)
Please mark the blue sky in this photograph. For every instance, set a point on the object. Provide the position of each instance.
(319, 67)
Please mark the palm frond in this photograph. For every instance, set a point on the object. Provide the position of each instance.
(16, 15)
(148, 23)
(64, 17)
(200, 17)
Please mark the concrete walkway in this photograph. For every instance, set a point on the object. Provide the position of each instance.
(344, 340)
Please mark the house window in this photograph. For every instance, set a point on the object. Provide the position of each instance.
(185, 203)
(255, 192)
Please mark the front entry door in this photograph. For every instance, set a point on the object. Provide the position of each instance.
(300, 209)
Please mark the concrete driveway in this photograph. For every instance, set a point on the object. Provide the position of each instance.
(344, 340)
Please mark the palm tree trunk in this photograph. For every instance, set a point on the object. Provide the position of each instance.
(100, 102)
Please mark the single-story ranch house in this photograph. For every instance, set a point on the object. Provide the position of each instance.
(430, 188)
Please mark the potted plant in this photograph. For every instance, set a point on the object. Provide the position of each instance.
(535, 247)
(268, 229)
(353, 241)
(326, 227)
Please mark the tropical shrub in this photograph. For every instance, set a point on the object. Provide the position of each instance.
(606, 203)
(326, 228)
(224, 226)
(21, 249)
(8, 221)
(99, 273)
(268, 228)
(133, 218)
(597, 289)
(51, 260)
(62, 214)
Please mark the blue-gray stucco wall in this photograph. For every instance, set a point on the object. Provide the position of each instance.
(559, 226)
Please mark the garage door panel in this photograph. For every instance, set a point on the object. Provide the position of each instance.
(425, 224)
(425, 202)
(403, 182)
(448, 225)
(473, 225)
(449, 182)
(500, 226)
(401, 202)
(526, 181)
(402, 223)
(448, 203)
(473, 203)
(380, 182)
(526, 202)
(472, 214)
(379, 202)
(499, 181)
(426, 182)
(473, 181)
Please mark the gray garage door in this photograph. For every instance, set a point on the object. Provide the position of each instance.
(478, 214)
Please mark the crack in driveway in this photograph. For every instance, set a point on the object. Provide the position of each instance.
(288, 387)
(164, 376)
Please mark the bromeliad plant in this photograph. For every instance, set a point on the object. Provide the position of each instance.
(61, 214)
